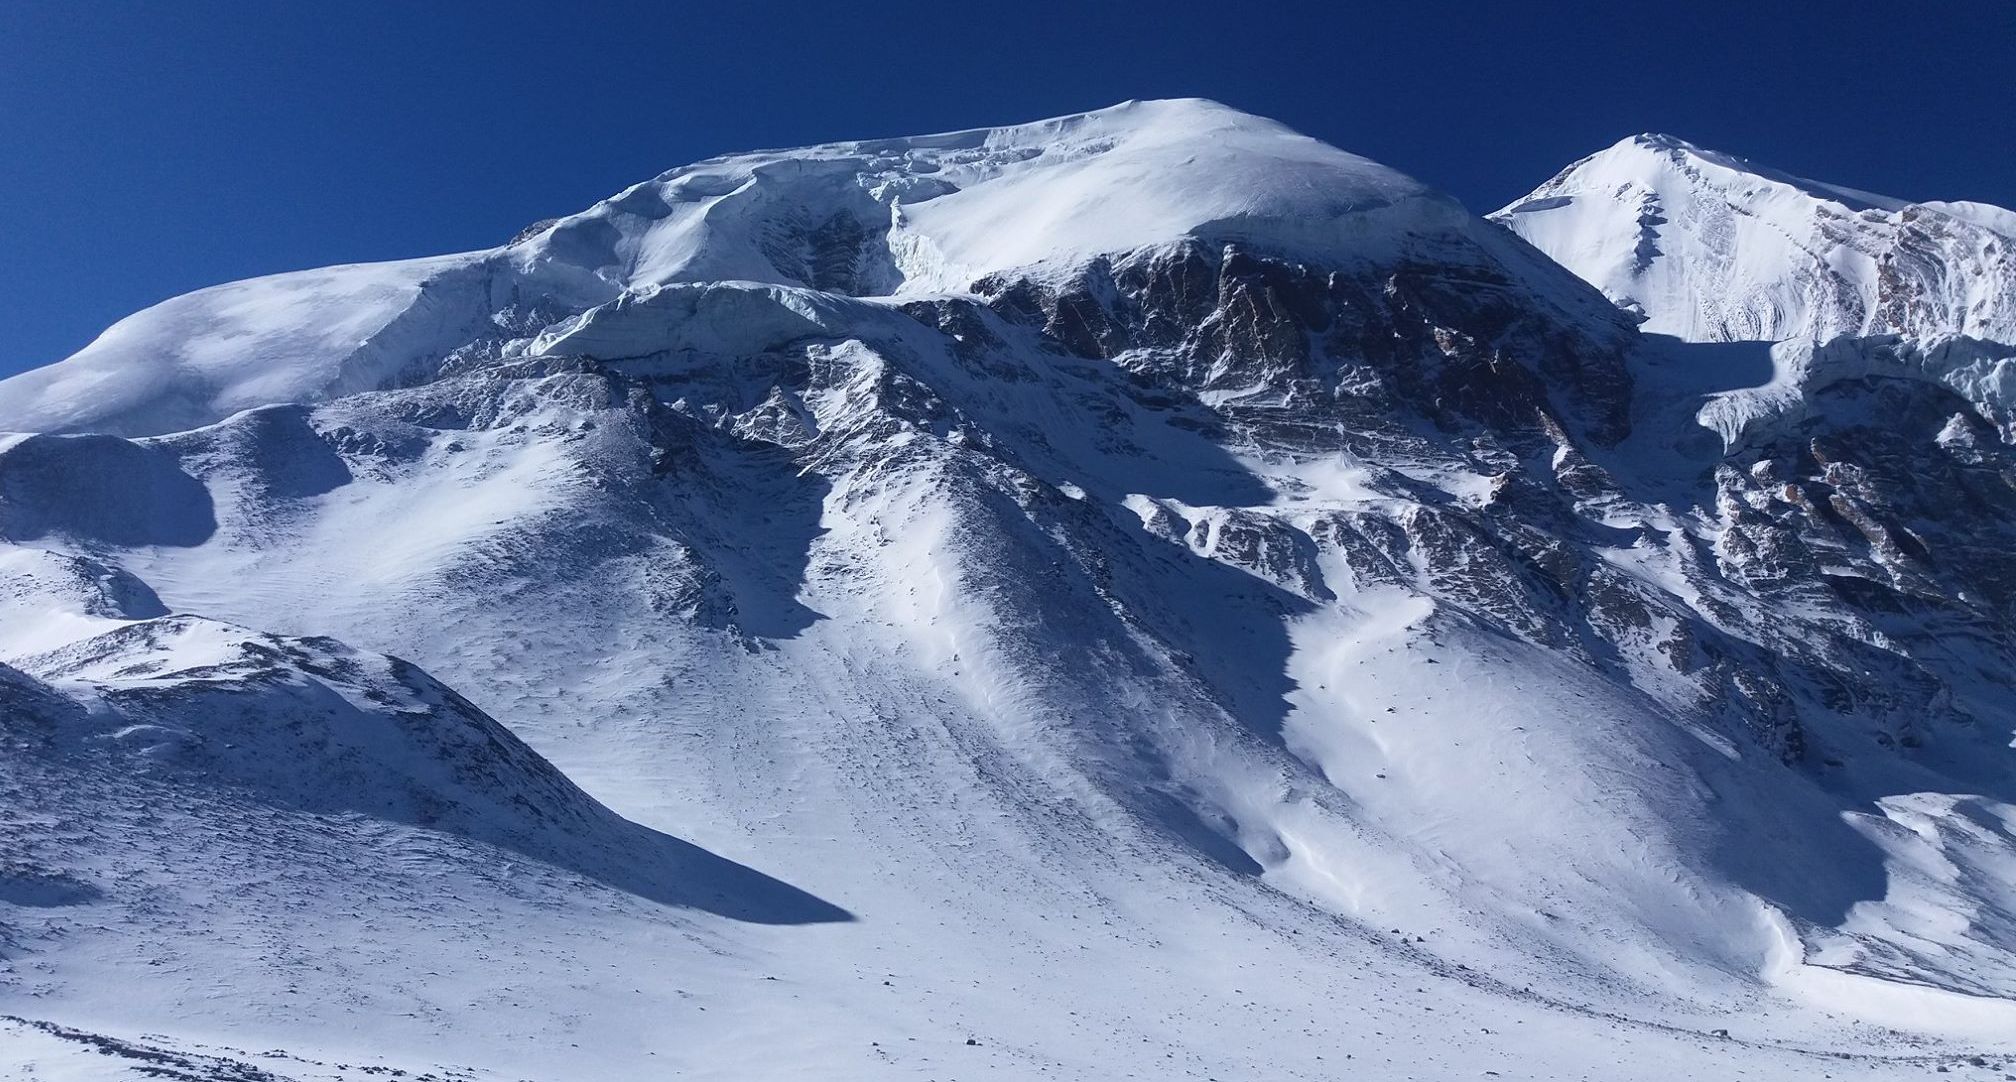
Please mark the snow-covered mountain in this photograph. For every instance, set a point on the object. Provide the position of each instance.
(1142, 593)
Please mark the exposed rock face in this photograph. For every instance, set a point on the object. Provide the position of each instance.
(1461, 341)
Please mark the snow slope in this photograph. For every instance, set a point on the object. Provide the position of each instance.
(1153, 595)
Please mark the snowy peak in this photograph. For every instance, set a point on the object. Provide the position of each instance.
(1707, 246)
(1731, 172)
(935, 213)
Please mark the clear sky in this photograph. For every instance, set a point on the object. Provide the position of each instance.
(152, 147)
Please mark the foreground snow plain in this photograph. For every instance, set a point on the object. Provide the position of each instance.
(888, 639)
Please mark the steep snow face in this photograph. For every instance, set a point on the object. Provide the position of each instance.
(1712, 248)
(882, 217)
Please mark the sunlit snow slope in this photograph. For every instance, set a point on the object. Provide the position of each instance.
(1141, 594)
(1710, 247)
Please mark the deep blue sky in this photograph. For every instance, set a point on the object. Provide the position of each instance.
(151, 148)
